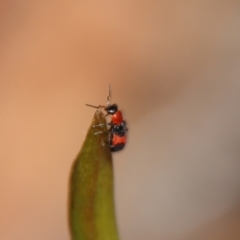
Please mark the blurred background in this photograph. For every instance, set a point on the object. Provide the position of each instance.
(174, 71)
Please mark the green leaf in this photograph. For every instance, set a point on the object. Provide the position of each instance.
(91, 203)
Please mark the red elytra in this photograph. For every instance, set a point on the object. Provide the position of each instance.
(116, 139)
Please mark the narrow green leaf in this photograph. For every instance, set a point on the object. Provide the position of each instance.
(91, 205)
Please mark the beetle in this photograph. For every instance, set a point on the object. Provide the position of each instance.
(117, 132)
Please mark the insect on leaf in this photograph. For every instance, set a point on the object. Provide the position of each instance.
(91, 198)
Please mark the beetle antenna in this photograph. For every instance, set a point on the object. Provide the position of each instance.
(89, 105)
(109, 95)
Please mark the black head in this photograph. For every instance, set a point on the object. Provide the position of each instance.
(111, 109)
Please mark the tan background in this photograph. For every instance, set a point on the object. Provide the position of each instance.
(174, 70)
